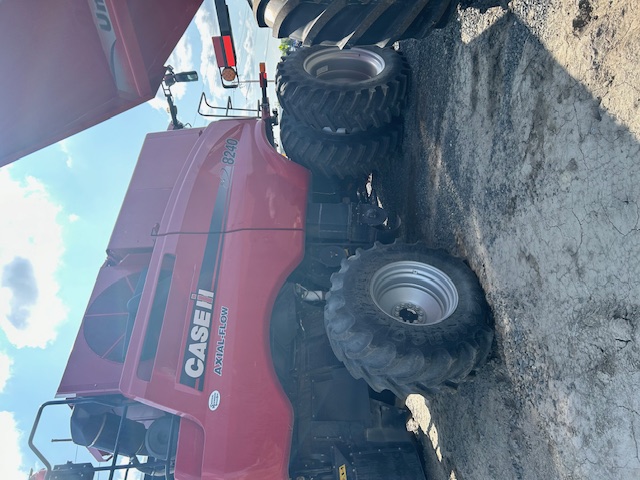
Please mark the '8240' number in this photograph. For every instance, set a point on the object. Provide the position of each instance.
(229, 154)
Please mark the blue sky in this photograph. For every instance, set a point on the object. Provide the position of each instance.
(57, 210)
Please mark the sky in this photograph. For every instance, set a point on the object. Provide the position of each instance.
(57, 209)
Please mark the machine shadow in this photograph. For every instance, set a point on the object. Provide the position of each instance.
(493, 129)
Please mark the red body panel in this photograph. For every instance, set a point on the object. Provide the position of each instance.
(89, 371)
(70, 64)
(232, 230)
(224, 51)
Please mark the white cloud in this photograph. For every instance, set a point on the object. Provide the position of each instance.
(10, 455)
(132, 474)
(64, 146)
(250, 65)
(181, 59)
(158, 102)
(249, 41)
(204, 21)
(30, 253)
(73, 218)
(5, 370)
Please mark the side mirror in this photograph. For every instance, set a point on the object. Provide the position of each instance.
(191, 76)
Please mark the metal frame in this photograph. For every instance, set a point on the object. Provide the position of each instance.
(203, 99)
(167, 464)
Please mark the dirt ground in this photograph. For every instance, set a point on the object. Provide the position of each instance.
(522, 154)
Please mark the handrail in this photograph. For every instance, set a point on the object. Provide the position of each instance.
(113, 467)
(203, 99)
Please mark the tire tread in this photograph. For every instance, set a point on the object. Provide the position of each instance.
(356, 106)
(384, 352)
(338, 156)
(354, 22)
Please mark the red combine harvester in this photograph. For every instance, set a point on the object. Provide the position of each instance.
(254, 318)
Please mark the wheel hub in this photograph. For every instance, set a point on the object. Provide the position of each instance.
(409, 313)
(414, 293)
(344, 66)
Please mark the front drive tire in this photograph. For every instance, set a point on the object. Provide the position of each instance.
(408, 319)
(339, 155)
(343, 90)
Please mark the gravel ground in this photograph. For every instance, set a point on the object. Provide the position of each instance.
(522, 145)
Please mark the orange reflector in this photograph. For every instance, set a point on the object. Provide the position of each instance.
(263, 67)
(228, 74)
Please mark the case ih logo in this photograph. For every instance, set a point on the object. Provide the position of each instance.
(195, 354)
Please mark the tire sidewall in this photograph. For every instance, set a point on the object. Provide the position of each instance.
(357, 105)
(438, 347)
(470, 313)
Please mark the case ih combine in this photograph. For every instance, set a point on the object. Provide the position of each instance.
(247, 323)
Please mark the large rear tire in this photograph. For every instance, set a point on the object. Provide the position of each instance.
(408, 319)
(353, 22)
(343, 90)
(338, 155)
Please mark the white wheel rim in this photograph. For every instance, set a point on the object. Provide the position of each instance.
(344, 66)
(414, 293)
